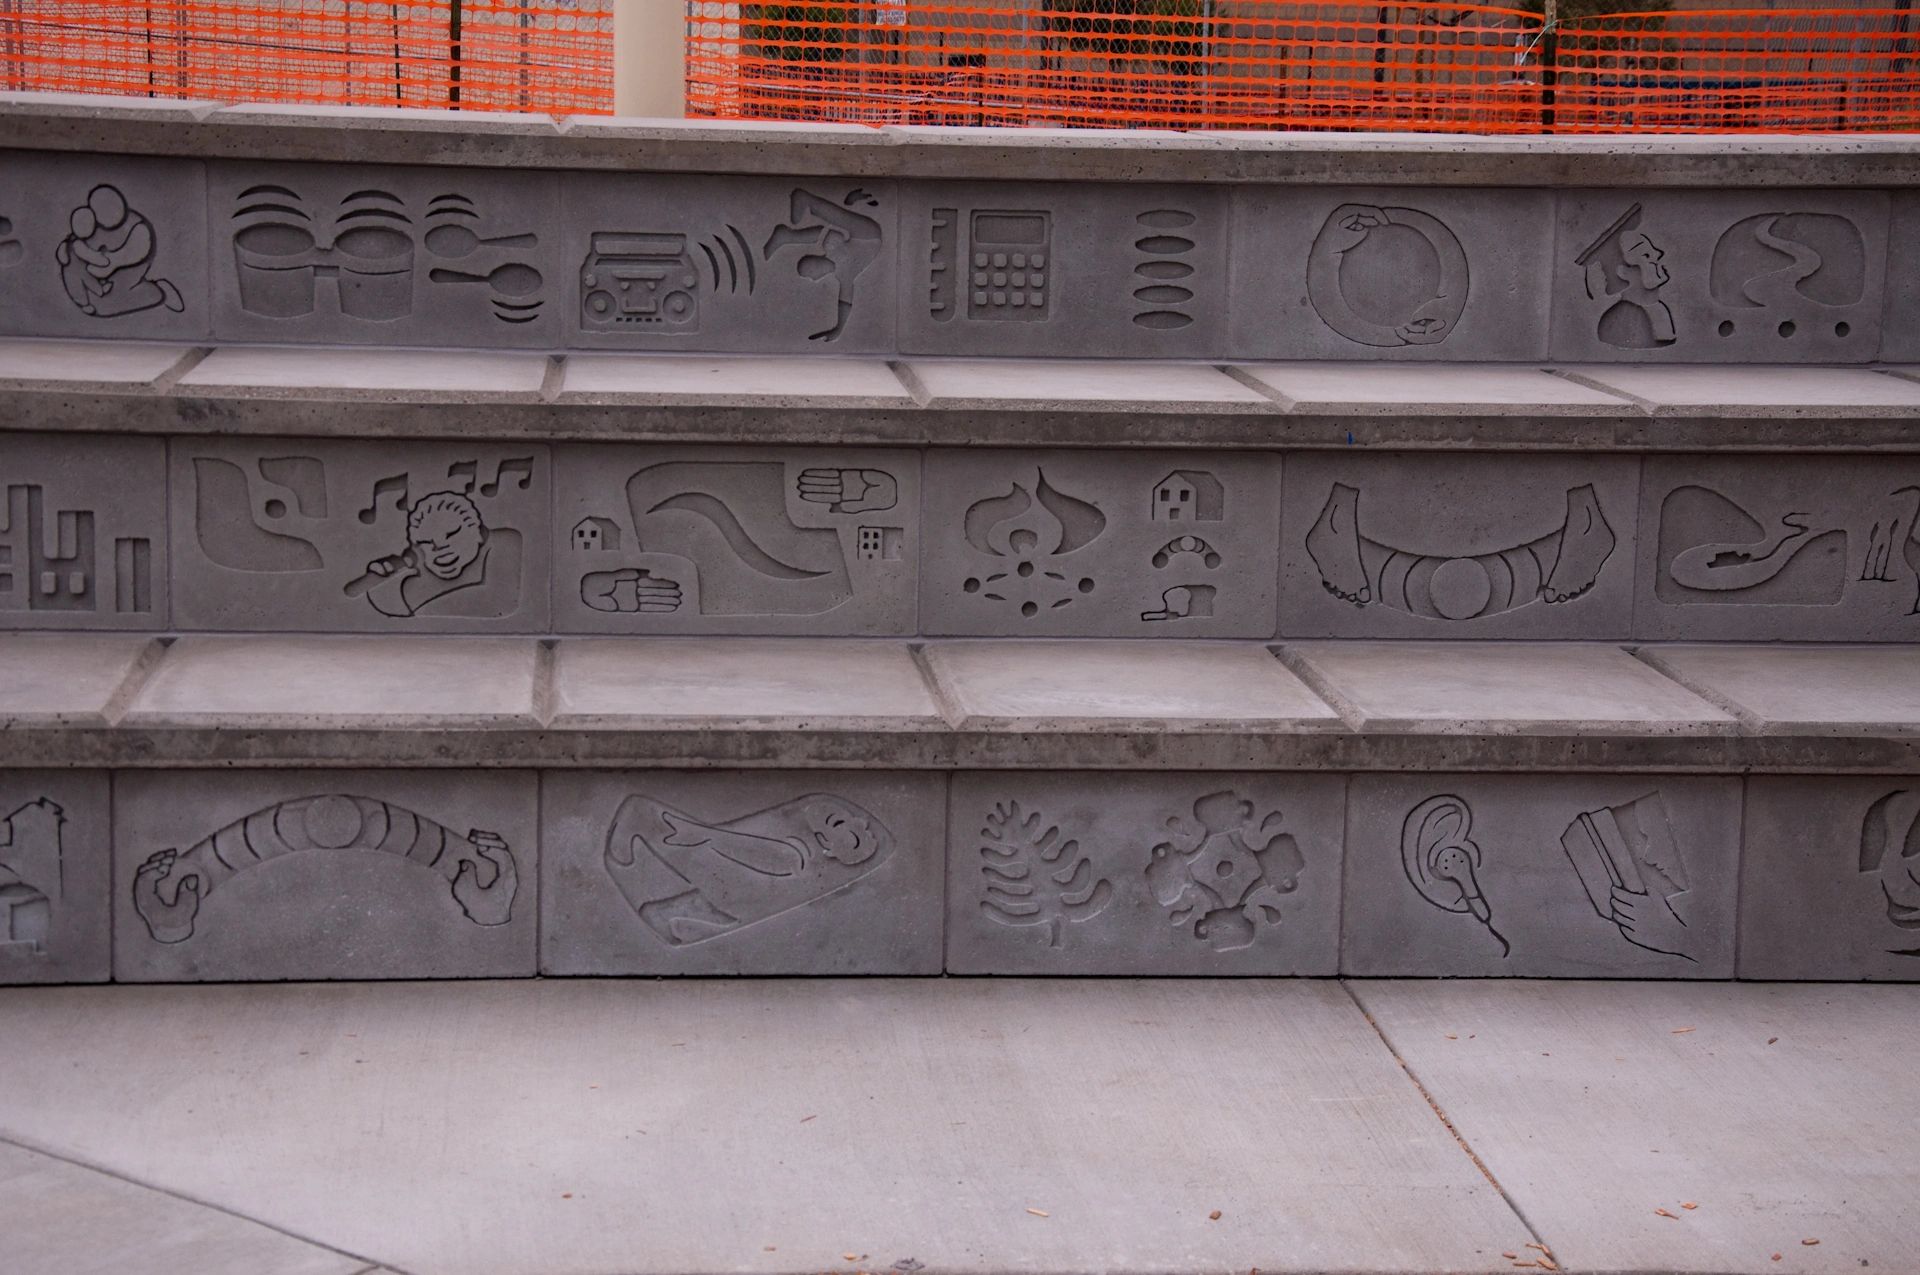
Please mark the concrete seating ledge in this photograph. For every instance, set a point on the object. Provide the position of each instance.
(413, 700)
(372, 135)
(384, 393)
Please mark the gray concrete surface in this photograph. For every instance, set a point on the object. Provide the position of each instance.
(269, 875)
(82, 363)
(1495, 688)
(343, 682)
(320, 535)
(1748, 548)
(1382, 545)
(1784, 1113)
(69, 679)
(376, 136)
(1114, 544)
(70, 1219)
(1755, 391)
(1830, 881)
(617, 1128)
(85, 540)
(1802, 690)
(779, 541)
(972, 1125)
(759, 872)
(1028, 686)
(966, 384)
(1428, 389)
(1173, 875)
(633, 379)
(367, 375)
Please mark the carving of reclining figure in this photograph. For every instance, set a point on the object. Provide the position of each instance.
(741, 871)
(1559, 566)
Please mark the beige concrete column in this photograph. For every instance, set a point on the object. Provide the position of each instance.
(650, 58)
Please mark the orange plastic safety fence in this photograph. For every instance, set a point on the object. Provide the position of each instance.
(1117, 64)
(1237, 64)
(481, 55)
(1739, 70)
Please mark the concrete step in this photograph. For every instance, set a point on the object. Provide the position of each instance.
(221, 532)
(969, 1126)
(158, 388)
(619, 235)
(621, 806)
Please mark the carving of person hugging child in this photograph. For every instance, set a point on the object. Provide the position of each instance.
(105, 259)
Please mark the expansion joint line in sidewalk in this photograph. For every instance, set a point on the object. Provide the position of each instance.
(1460, 1139)
(372, 1267)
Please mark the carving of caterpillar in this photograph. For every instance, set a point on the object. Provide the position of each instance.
(479, 866)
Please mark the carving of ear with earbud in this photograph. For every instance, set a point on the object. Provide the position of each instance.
(1443, 863)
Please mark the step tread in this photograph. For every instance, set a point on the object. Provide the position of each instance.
(958, 704)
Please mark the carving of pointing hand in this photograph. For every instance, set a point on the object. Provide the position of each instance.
(1651, 923)
(491, 903)
(849, 491)
(169, 921)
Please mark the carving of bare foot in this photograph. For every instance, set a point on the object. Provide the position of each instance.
(1334, 546)
(1585, 545)
(169, 921)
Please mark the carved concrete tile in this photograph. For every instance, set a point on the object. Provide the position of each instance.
(714, 540)
(55, 876)
(83, 532)
(1783, 276)
(749, 264)
(1830, 882)
(386, 255)
(1190, 874)
(747, 872)
(265, 875)
(1100, 544)
(1900, 341)
(1043, 269)
(305, 534)
(1419, 545)
(1538, 876)
(102, 246)
(1378, 273)
(1749, 547)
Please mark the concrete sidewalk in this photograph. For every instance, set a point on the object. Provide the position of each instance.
(613, 1128)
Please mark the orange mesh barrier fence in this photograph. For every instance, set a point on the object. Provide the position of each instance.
(482, 55)
(1117, 64)
(1738, 70)
(1227, 64)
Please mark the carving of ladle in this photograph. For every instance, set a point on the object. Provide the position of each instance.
(458, 241)
(510, 280)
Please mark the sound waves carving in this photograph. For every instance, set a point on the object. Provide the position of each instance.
(170, 887)
(1163, 300)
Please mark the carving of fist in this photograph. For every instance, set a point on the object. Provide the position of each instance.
(849, 491)
(168, 920)
(1651, 923)
(490, 903)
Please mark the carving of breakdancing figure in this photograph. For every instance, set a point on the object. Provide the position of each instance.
(689, 881)
(104, 261)
(449, 551)
(1624, 270)
(842, 244)
(1558, 567)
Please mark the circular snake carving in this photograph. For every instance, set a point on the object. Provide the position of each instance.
(1376, 253)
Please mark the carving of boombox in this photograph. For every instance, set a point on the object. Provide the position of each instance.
(644, 280)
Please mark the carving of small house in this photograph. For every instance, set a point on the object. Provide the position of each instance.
(591, 534)
(1187, 495)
